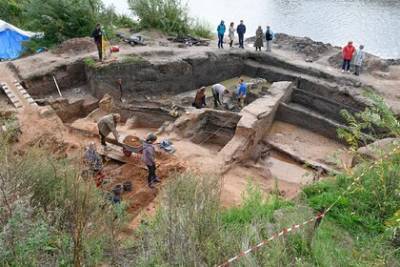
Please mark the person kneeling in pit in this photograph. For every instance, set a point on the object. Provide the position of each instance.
(94, 163)
(200, 98)
(218, 91)
(106, 125)
(149, 155)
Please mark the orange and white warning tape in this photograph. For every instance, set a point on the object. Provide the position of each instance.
(316, 219)
(284, 231)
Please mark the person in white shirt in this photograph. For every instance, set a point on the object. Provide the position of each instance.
(218, 91)
(358, 60)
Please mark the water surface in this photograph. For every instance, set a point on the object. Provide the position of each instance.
(374, 23)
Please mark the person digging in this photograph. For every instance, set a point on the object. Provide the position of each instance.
(106, 125)
(149, 155)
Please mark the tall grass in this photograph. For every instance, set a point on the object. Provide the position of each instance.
(49, 216)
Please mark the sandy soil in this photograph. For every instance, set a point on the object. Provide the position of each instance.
(309, 145)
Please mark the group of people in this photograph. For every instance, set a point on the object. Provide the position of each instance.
(106, 125)
(220, 94)
(349, 54)
(241, 30)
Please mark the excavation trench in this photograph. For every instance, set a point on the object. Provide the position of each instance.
(289, 120)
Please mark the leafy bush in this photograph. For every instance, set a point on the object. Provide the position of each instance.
(169, 16)
(11, 11)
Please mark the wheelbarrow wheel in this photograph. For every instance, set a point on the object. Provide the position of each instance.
(126, 152)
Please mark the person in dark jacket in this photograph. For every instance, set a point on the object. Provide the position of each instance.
(241, 30)
(259, 39)
(269, 36)
(98, 38)
(221, 32)
(200, 98)
(149, 158)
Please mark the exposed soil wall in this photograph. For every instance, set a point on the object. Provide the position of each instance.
(145, 117)
(208, 126)
(68, 76)
(308, 120)
(142, 78)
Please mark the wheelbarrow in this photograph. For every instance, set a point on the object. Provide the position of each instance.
(129, 149)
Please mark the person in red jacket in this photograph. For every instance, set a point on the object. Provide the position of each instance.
(347, 54)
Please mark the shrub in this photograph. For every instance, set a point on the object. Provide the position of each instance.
(169, 16)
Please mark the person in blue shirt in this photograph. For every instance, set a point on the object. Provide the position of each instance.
(269, 36)
(242, 92)
(241, 30)
(221, 31)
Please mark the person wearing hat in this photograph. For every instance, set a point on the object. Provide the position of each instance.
(149, 156)
(106, 125)
(200, 98)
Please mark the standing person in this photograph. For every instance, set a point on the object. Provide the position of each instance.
(119, 83)
(106, 125)
(200, 98)
(231, 34)
(221, 31)
(269, 36)
(98, 39)
(259, 39)
(149, 158)
(242, 92)
(218, 91)
(347, 54)
(241, 30)
(358, 60)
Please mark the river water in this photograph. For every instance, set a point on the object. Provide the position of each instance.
(374, 23)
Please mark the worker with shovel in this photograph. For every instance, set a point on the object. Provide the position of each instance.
(106, 125)
(149, 156)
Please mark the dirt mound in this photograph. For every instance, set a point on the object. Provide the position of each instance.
(136, 172)
(302, 45)
(133, 141)
(371, 63)
(53, 144)
(76, 46)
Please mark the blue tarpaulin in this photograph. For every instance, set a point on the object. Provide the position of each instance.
(11, 39)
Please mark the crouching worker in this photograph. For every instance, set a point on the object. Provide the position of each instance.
(218, 91)
(106, 125)
(149, 155)
(200, 98)
(94, 163)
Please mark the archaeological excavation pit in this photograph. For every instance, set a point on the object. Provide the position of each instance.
(291, 110)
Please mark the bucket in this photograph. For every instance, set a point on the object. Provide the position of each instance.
(118, 189)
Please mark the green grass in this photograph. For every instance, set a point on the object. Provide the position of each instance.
(90, 62)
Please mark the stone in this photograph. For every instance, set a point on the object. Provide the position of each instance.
(46, 112)
(376, 150)
(255, 122)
